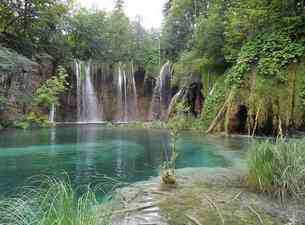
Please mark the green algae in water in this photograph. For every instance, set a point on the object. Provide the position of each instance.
(87, 153)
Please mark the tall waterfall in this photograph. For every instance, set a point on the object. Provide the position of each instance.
(127, 105)
(162, 94)
(121, 96)
(88, 109)
(52, 114)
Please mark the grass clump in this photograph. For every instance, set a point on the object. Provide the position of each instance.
(278, 168)
(54, 203)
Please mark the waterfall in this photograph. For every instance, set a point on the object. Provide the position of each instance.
(52, 114)
(87, 103)
(125, 118)
(127, 104)
(162, 94)
(135, 98)
(178, 96)
(121, 96)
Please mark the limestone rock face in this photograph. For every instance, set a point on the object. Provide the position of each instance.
(19, 78)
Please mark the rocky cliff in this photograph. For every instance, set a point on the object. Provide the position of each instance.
(19, 78)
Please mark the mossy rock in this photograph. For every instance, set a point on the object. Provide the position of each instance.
(169, 179)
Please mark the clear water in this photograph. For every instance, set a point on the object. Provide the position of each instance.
(86, 153)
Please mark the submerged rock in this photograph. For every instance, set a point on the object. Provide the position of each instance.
(209, 196)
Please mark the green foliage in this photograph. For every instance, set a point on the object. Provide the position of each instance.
(278, 168)
(3, 103)
(88, 34)
(188, 66)
(54, 202)
(49, 92)
(112, 38)
(209, 37)
(22, 125)
(168, 168)
(33, 25)
(37, 119)
(238, 36)
(183, 119)
(197, 42)
(247, 57)
(213, 103)
(32, 119)
(270, 53)
(147, 51)
(178, 28)
(302, 91)
(277, 51)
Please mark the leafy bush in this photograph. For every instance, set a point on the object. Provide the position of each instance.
(213, 102)
(21, 124)
(33, 119)
(49, 92)
(278, 168)
(54, 203)
(270, 53)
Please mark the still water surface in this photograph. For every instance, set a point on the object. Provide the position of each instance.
(86, 153)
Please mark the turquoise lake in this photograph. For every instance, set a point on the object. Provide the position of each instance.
(88, 152)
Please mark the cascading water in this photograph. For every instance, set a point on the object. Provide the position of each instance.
(88, 109)
(121, 96)
(52, 114)
(127, 105)
(174, 101)
(135, 98)
(162, 94)
(135, 94)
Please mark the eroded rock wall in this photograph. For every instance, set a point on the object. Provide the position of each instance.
(19, 78)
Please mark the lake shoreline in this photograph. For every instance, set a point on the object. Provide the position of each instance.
(225, 191)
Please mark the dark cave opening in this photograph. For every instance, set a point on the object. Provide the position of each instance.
(241, 116)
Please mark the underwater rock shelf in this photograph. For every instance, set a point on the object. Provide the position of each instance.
(203, 196)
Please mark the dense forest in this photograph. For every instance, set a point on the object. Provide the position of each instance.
(247, 57)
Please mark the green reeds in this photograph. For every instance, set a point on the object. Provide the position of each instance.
(54, 203)
(278, 168)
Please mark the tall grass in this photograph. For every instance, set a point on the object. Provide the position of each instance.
(54, 203)
(278, 168)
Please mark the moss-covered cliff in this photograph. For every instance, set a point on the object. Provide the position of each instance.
(260, 105)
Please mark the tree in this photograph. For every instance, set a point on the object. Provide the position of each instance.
(121, 34)
(178, 28)
(31, 25)
(209, 37)
(88, 34)
(48, 94)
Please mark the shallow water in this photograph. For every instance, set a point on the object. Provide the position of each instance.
(87, 152)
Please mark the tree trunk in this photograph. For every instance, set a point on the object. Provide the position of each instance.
(220, 115)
